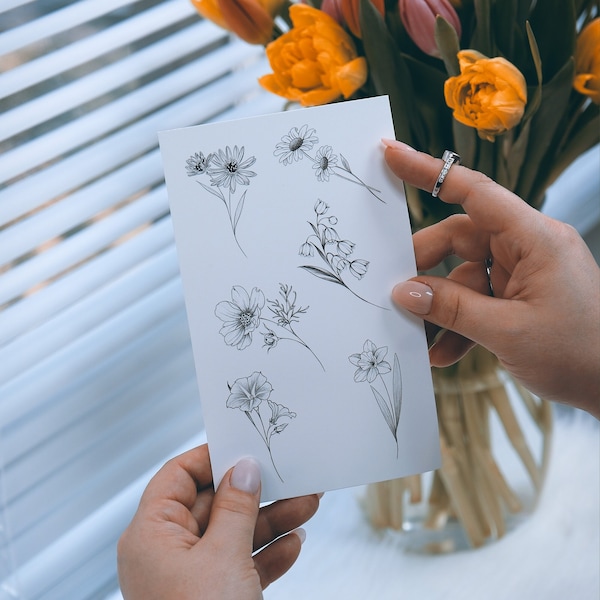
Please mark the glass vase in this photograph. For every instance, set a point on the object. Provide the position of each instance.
(495, 440)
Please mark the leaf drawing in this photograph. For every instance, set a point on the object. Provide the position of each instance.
(333, 250)
(297, 144)
(227, 169)
(250, 395)
(244, 314)
(371, 367)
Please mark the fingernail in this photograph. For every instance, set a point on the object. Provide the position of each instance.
(246, 476)
(397, 145)
(414, 296)
(320, 495)
(301, 534)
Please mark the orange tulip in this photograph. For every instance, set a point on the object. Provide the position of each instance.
(489, 94)
(587, 61)
(250, 20)
(315, 62)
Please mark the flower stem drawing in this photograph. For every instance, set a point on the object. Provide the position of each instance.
(227, 170)
(243, 316)
(250, 395)
(333, 251)
(296, 144)
(371, 367)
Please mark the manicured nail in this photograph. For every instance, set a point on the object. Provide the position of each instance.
(414, 296)
(397, 145)
(301, 534)
(246, 476)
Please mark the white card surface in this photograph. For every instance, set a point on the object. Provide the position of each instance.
(291, 232)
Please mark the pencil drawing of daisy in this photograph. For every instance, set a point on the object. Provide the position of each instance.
(250, 395)
(227, 170)
(295, 144)
(371, 366)
(299, 141)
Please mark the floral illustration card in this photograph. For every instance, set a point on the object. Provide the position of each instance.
(291, 233)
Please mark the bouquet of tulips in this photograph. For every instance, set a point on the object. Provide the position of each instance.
(513, 86)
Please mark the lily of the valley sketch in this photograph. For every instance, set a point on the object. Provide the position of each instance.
(335, 252)
(227, 170)
(250, 314)
(250, 395)
(371, 367)
(298, 143)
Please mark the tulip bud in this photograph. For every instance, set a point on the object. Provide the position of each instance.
(248, 19)
(418, 17)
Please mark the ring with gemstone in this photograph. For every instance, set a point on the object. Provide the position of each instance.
(450, 158)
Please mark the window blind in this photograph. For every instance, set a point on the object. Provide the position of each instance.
(97, 384)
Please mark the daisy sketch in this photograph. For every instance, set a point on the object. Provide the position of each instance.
(297, 145)
(227, 170)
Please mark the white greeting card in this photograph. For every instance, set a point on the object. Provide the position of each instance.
(291, 232)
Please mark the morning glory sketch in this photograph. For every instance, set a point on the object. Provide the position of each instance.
(250, 395)
(245, 314)
(296, 145)
(371, 366)
(334, 251)
(227, 170)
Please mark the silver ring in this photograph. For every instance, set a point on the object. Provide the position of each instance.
(450, 158)
(488, 271)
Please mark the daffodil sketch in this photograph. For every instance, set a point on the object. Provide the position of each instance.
(227, 171)
(245, 314)
(298, 143)
(334, 251)
(371, 366)
(250, 395)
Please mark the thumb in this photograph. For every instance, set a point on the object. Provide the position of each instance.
(452, 306)
(235, 508)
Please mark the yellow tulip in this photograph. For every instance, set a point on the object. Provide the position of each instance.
(587, 61)
(490, 94)
(250, 20)
(315, 62)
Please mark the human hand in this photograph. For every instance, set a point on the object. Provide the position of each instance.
(187, 542)
(544, 322)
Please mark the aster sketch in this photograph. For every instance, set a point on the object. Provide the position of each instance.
(371, 366)
(250, 395)
(298, 143)
(228, 171)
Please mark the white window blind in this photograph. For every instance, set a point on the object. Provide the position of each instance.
(97, 385)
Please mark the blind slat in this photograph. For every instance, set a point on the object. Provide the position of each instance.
(88, 313)
(120, 111)
(86, 243)
(34, 310)
(78, 53)
(117, 149)
(56, 22)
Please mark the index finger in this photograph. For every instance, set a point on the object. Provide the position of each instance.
(491, 207)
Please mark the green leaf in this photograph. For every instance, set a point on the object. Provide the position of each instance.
(555, 26)
(448, 44)
(544, 125)
(482, 34)
(533, 103)
(390, 74)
